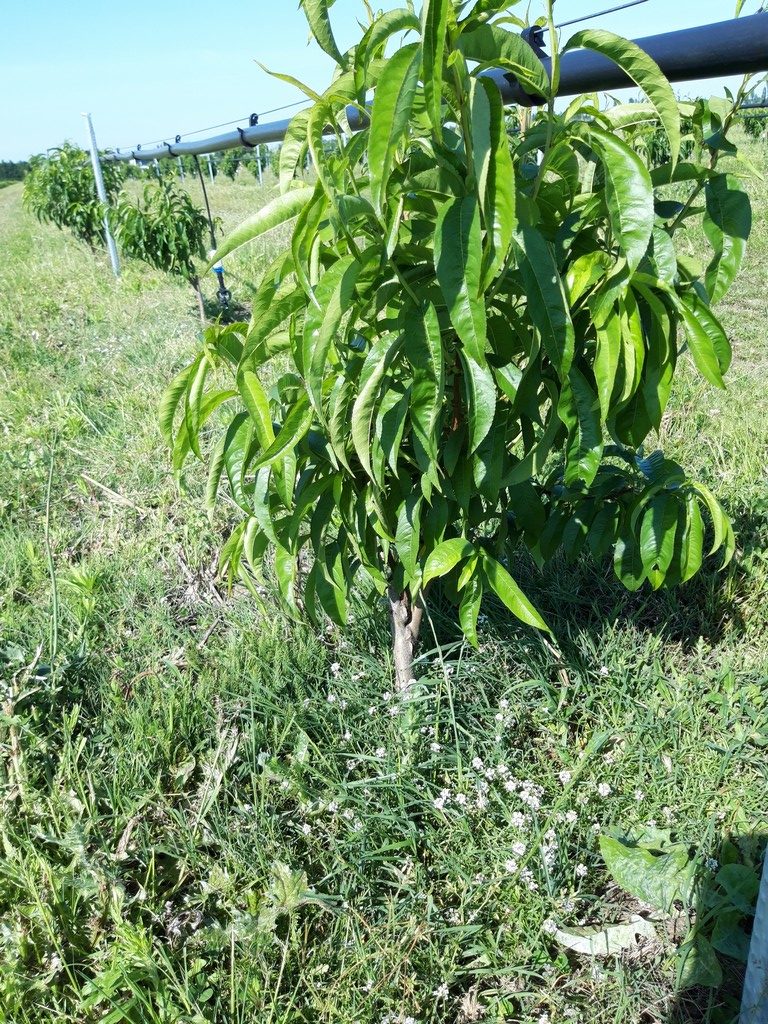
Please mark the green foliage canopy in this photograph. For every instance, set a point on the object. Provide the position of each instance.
(471, 336)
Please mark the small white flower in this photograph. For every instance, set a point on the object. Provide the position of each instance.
(477, 764)
(582, 870)
(711, 864)
(604, 671)
(481, 803)
(549, 926)
(347, 736)
(331, 698)
(510, 785)
(639, 795)
(435, 748)
(565, 777)
(519, 849)
(332, 807)
(335, 668)
(306, 828)
(441, 992)
(510, 866)
(461, 799)
(571, 817)
(504, 704)
(501, 769)
(498, 717)
(604, 789)
(381, 752)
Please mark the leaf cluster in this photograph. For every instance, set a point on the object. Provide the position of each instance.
(60, 189)
(164, 228)
(477, 330)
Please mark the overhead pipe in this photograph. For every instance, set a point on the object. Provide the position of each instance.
(735, 47)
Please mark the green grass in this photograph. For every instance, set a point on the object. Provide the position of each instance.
(172, 760)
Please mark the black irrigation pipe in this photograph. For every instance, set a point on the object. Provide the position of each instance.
(735, 47)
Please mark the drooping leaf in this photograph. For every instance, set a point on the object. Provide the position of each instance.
(579, 409)
(390, 117)
(316, 12)
(295, 427)
(657, 537)
(728, 223)
(492, 46)
(495, 174)
(458, 264)
(434, 23)
(445, 557)
(643, 71)
(707, 340)
(510, 594)
(629, 195)
(376, 365)
(278, 211)
(480, 393)
(547, 304)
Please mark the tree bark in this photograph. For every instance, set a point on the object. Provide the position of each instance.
(195, 282)
(405, 620)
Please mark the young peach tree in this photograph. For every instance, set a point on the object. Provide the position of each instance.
(472, 334)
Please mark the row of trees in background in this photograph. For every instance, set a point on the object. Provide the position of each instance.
(162, 226)
(13, 170)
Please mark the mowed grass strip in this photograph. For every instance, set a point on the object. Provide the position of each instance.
(212, 814)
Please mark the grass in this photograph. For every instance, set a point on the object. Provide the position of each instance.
(214, 815)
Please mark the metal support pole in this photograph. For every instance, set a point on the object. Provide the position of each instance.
(754, 1006)
(102, 194)
(181, 169)
(258, 164)
(210, 167)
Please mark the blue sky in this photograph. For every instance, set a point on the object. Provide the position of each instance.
(148, 69)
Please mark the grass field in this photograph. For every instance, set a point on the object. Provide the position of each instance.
(209, 814)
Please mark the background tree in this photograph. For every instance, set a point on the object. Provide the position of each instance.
(474, 342)
(60, 189)
(165, 229)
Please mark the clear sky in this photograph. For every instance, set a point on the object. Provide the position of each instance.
(149, 69)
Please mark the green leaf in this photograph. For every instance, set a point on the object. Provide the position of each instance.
(508, 592)
(257, 404)
(643, 71)
(377, 363)
(707, 340)
(656, 877)
(172, 397)
(741, 885)
(657, 537)
(434, 24)
(424, 350)
(316, 12)
(445, 557)
(294, 429)
(547, 304)
(495, 174)
(267, 318)
(333, 296)
(293, 148)
(629, 195)
(408, 536)
(697, 965)
(492, 46)
(278, 211)
(390, 117)
(458, 264)
(692, 539)
(579, 409)
(469, 609)
(480, 394)
(237, 441)
(727, 224)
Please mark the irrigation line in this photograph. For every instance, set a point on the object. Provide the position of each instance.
(738, 46)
